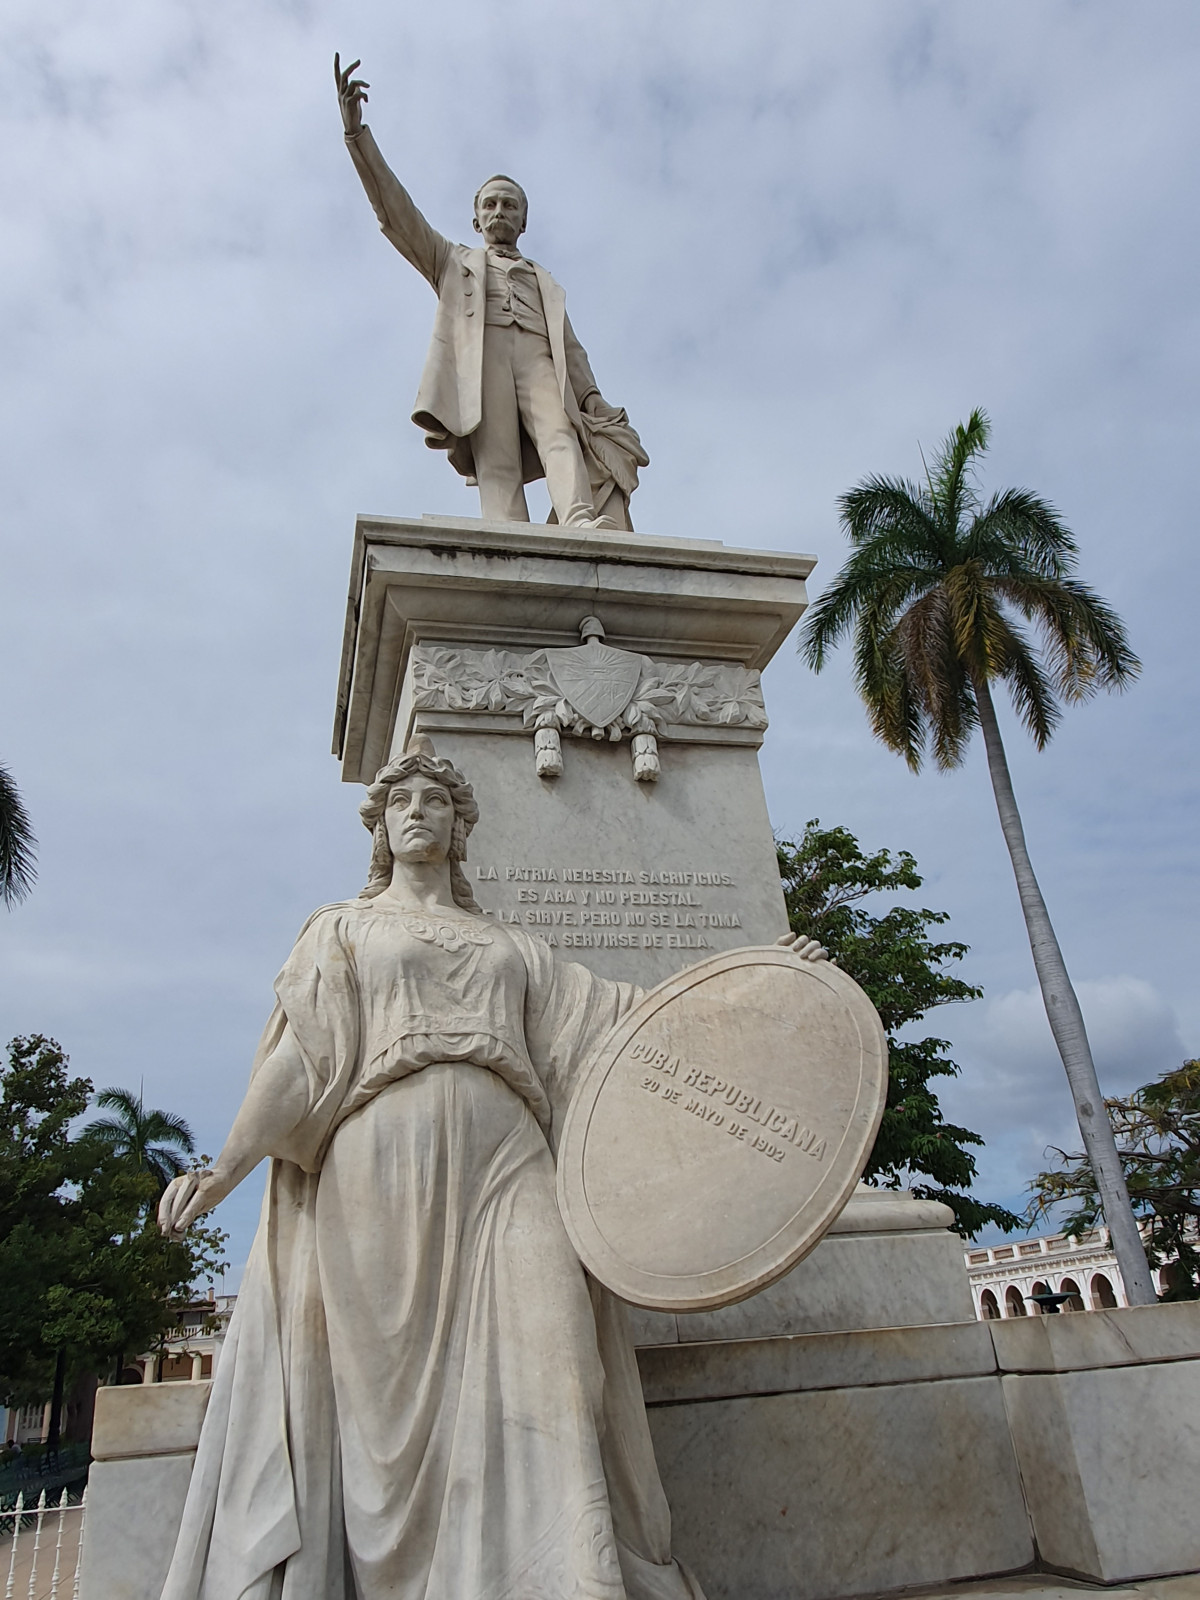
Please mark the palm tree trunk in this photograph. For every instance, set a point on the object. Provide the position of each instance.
(1066, 1022)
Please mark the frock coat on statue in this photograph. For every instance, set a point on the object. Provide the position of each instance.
(421, 1396)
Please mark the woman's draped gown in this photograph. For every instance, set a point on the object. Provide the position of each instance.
(421, 1396)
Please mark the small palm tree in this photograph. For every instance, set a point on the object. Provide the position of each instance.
(17, 844)
(936, 593)
(152, 1141)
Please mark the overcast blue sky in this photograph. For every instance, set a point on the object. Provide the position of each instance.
(798, 240)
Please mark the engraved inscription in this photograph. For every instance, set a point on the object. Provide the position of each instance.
(612, 908)
(741, 1102)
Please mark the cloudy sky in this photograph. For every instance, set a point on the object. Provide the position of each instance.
(799, 241)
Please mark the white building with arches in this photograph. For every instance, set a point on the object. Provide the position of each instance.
(1005, 1276)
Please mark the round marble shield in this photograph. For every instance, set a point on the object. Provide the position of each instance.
(721, 1126)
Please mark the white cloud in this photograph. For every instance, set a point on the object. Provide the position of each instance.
(1013, 1088)
(1133, 1031)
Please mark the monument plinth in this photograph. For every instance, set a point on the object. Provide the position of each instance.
(633, 835)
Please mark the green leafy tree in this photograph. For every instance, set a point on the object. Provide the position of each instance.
(18, 847)
(150, 1141)
(937, 594)
(905, 973)
(84, 1271)
(1158, 1135)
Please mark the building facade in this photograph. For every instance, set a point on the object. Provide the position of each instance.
(189, 1350)
(1005, 1276)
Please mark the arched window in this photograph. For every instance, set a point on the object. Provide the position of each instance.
(1075, 1303)
(989, 1308)
(1038, 1288)
(1102, 1293)
(1174, 1279)
(1014, 1302)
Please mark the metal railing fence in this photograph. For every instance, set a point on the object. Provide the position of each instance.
(45, 1547)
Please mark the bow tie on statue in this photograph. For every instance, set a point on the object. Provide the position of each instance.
(508, 251)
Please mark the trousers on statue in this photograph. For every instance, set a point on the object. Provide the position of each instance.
(520, 388)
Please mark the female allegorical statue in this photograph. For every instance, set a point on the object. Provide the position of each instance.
(421, 1395)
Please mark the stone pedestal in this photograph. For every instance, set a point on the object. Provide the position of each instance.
(825, 1465)
(889, 1261)
(819, 1465)
(1104, 1410)
(623, 812)
(143, 1446)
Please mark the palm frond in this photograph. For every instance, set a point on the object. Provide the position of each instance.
(892, 709)
(934, 593)
(164, 1125)
(165, 1164)
(1018, 531)
(864, 586)
(142, 1133)
(891, 515)
(925, 644)
(1085, 641)
(968, 600)
(122, 1100)
(108, 1130)
(952, 484)
(1015, 662)
(18, 846)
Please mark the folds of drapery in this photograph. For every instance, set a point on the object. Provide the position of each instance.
(266, 1491)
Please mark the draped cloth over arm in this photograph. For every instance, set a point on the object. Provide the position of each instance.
(264, 1518)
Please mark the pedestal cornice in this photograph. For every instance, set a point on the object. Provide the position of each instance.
(443, 580)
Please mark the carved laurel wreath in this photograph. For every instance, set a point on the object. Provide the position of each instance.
(500, 681)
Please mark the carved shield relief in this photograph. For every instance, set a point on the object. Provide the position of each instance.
(598, 681)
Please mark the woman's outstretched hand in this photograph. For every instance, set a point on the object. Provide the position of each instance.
(803, 948)
(187, 1197)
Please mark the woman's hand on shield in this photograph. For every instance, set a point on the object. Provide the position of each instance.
(803, 948)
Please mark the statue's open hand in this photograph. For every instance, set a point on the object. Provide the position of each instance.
(803, 948)
(187, 1197)
(352, 94)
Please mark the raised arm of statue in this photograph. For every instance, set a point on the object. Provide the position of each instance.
(401, 222)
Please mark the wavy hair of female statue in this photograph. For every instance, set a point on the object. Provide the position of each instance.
(421, 1395)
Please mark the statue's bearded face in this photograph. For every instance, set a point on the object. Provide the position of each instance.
(500, 213)
(419, 820)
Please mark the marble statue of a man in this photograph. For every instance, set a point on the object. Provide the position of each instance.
(507, 389)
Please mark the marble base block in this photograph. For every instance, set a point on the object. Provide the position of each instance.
(1106, 1422)
(889, 1261)
(143, 1445)
(821, 1465)
(847, 1491)
(839, 1464)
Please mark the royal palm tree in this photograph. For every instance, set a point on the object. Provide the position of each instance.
(936, 595)
(17, 843)
(153, 1141)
